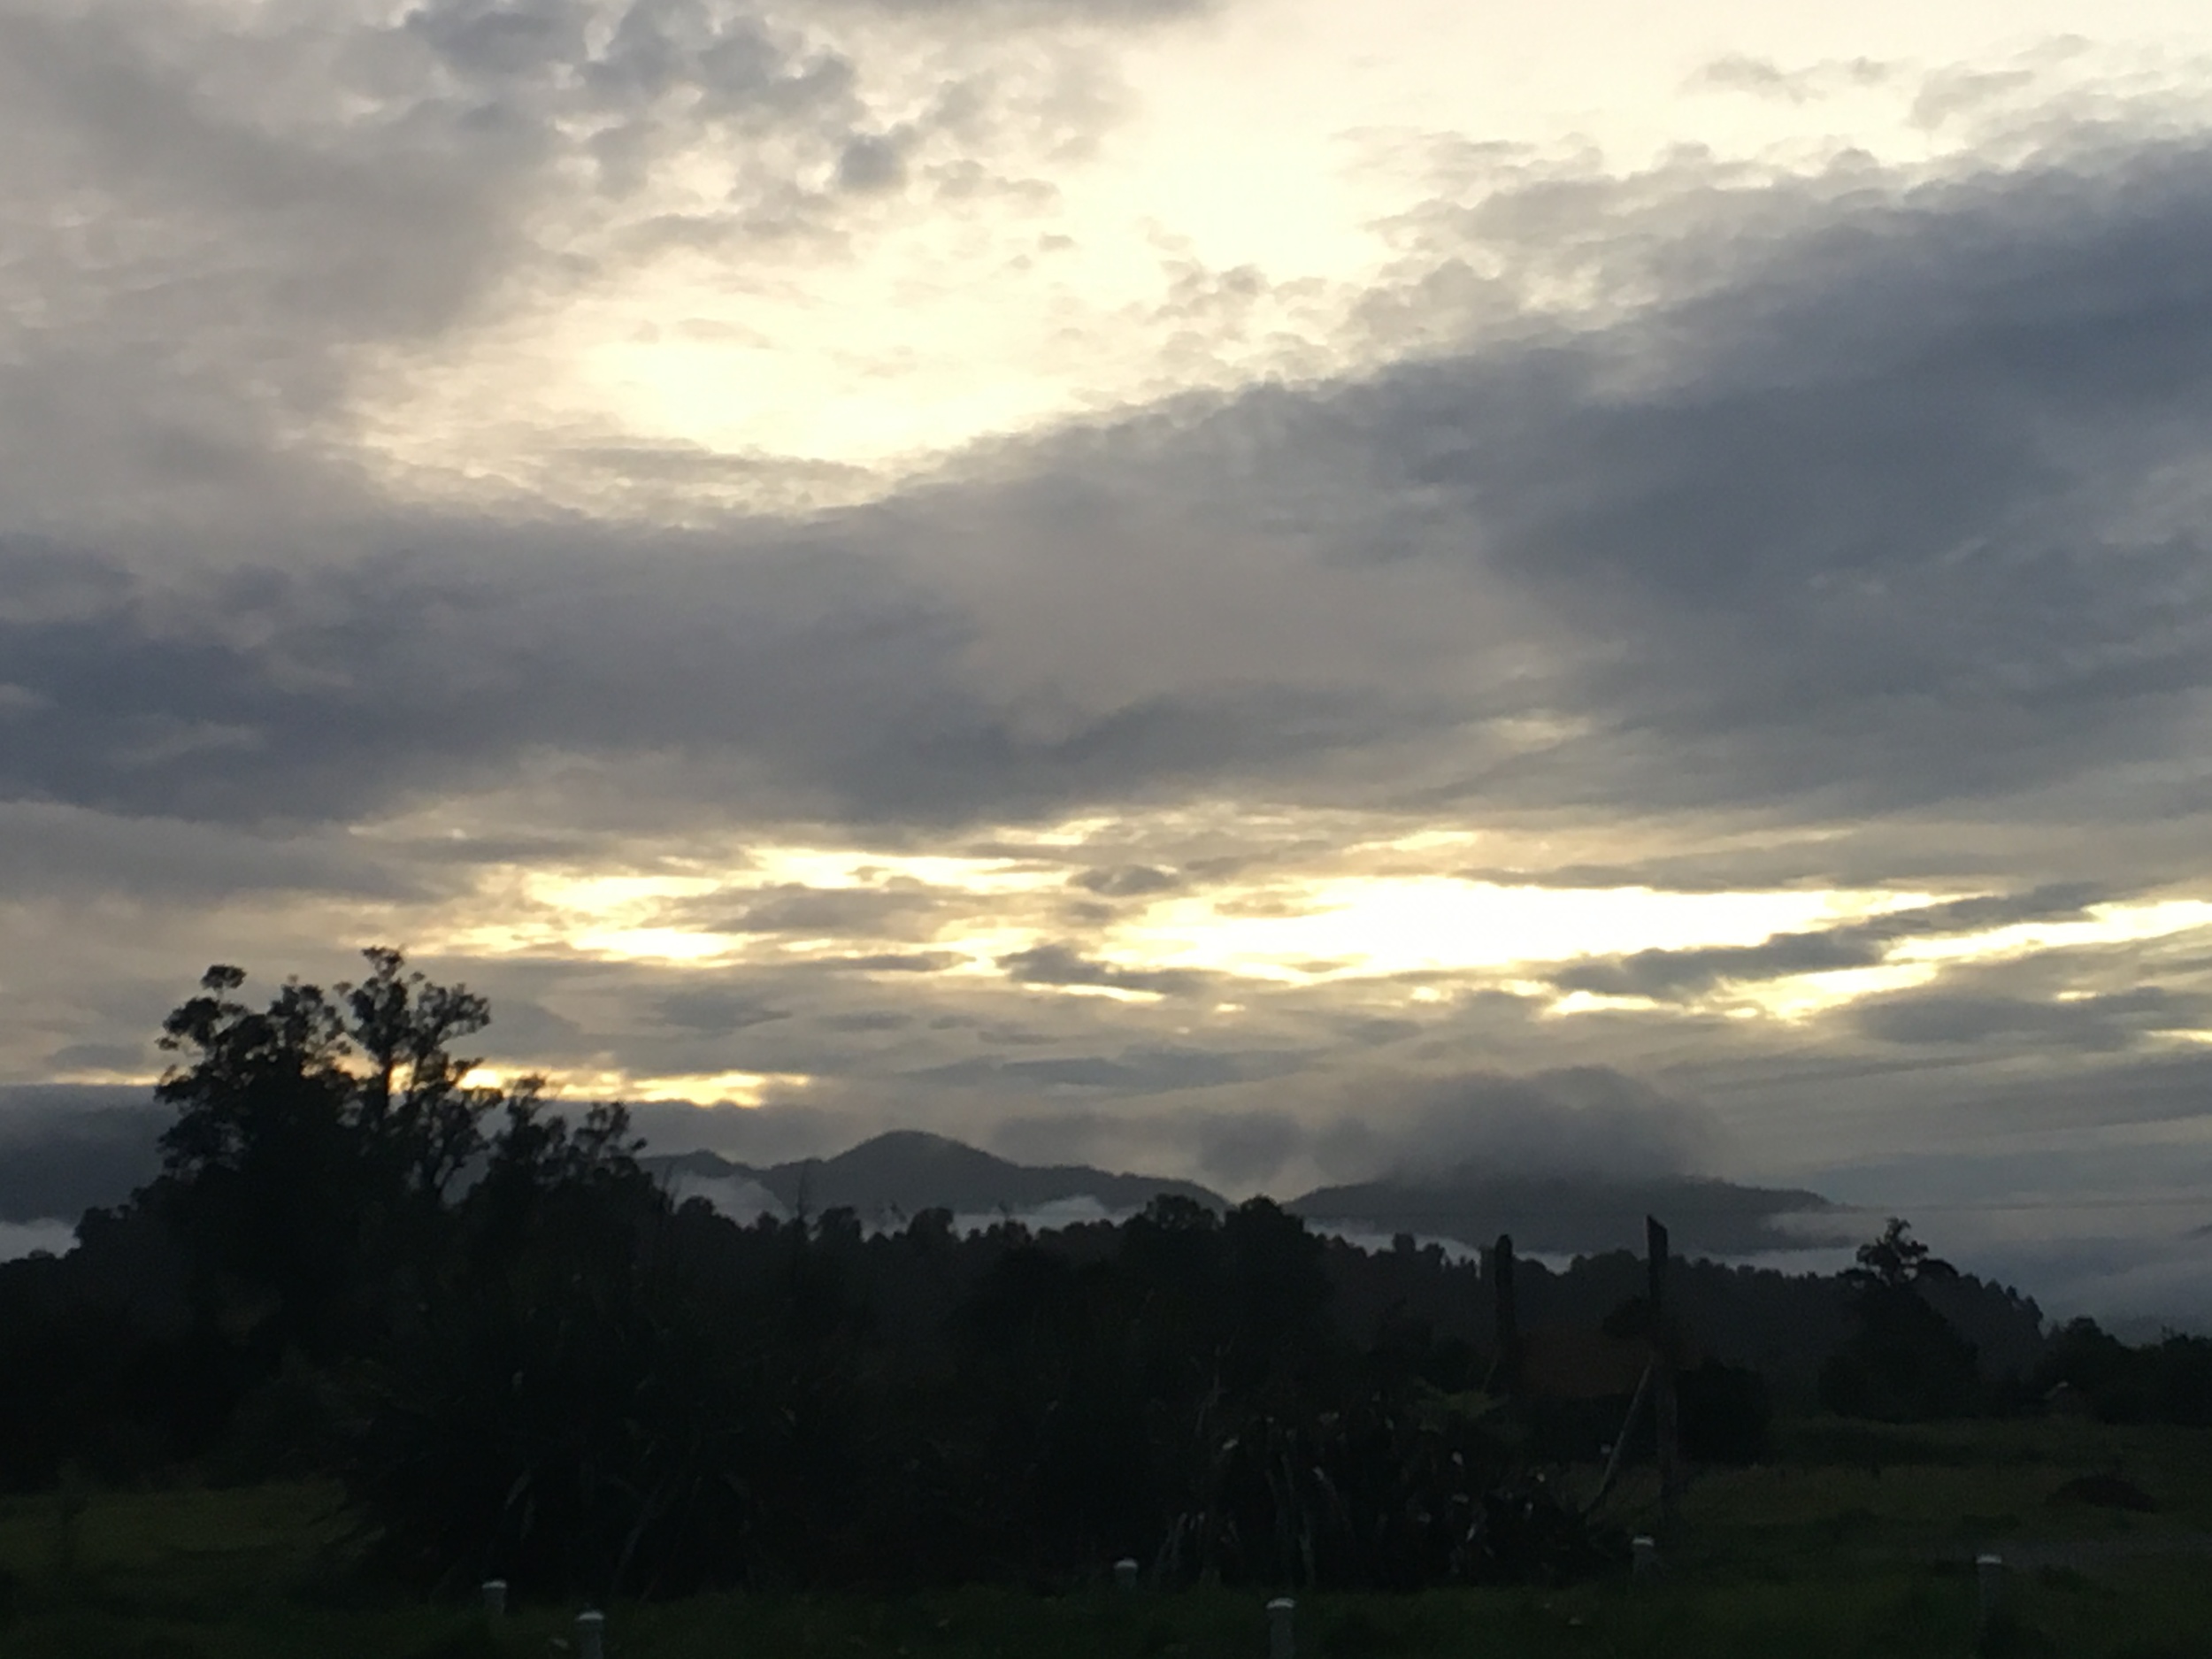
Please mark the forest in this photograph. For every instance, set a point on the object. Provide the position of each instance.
(518, 1357)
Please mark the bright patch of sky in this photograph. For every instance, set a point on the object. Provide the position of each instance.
(1238, 196)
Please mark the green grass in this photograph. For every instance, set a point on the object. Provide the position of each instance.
(1854, 1544)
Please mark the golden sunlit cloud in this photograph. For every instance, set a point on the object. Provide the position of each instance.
(1412, 923)
(705, 1089)
(2105, 925)
(1348, 908)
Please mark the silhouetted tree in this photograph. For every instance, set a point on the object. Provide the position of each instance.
(314, 1143)
(1905, 1362)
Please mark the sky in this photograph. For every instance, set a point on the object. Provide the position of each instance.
(1255, 589)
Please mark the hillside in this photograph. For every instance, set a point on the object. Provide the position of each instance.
(1572, 1215)
(907, 1171)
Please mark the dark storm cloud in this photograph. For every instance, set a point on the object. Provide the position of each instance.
(1889, 509)
(1582, 1120)
(804, 678)
(2112, 1021)
(64, 1150)
(55, 850)
(1134, 1070)
(715, 1013)
(795, 907)
(1063, 965)
(1887, 514)
(1667, 974)
(1585, 1121)
(1127, 881)
(1243, 1150)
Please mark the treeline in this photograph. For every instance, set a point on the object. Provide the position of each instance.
(2093, 1372)
(524, 1360)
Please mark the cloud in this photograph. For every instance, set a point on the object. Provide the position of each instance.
(1580, 1121)
(300, 212)
(1884, 518)
(1127, 882)
(1244, 1150)
(808, 680)
(1071, 1136)
(1711, 527)
(20, 1238)
(64, 1150)
(715, 1013)
(1762, 78)
(1888, 516)
(795, 907)
(1137, 1071)
(1063, 965)
(57, 851)
(2100, 1023)
(1671, 974)
(758, 1135)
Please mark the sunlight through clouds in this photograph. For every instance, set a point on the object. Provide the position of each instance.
(1056, 569)
(1409, 924)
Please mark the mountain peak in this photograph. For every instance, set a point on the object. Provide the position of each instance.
(904, 1172)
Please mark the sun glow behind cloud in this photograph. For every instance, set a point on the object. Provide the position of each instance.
(1410, 923)
(1238, 187)
(1347, 910)
(701, 1088)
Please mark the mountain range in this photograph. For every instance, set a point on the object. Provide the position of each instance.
(901, 1174)
(64, 1150)
(906, 1172)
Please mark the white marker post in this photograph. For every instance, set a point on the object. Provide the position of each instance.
(494, 1598)
(1126, 1573)
(591, 1634)
(1282, 1640)
(1989, 1582)
(1646, 1558)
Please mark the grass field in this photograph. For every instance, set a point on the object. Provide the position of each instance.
(1853, 1542)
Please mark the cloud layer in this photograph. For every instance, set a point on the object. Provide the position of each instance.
(1707, 529)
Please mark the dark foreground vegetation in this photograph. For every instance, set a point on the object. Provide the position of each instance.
(1853, 1541)
(479, 1339)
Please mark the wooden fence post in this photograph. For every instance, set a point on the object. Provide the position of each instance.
(1989, 1586)
(1508, 1371)
(1664, 1406)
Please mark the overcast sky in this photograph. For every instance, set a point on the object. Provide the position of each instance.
(1265, 590)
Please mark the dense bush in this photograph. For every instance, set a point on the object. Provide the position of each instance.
(2167, 1381)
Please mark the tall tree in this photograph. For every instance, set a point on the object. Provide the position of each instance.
(313, 1134)
(412, 1098)
(1905, 1361)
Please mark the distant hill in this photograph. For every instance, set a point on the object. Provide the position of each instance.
(1569, 1216)
(63, 1149)
(907, 1172)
